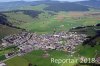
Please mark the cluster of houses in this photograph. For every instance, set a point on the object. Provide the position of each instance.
(26, 41)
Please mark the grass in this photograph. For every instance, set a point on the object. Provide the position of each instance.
(46, 22)
(36, 57)
(5, 31)
(18, 18)
(17, 61)
(88, 51)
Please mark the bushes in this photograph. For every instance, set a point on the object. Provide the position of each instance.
(2, 57)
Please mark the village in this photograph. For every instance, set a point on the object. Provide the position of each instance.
(26, 41)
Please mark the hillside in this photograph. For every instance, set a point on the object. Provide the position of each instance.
(5, 31)
(6, 6)
(50, 21)
(93, 33)
(3, 19)
(91, 3)
(52, 5)
(65, 6)
(6, 27)
(17, 17)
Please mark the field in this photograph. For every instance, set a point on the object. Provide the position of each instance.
(87, 51)
(61, 21)
(37, 58)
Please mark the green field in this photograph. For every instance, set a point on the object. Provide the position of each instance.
(87, 51)
(46, 22)
(36, 58)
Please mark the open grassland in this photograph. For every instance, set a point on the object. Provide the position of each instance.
(62, 21)
(37, 58)
(49, 21)
(87, 51)
(18, 18)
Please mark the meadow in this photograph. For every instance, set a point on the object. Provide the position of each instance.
(37, 58)
(46, 22)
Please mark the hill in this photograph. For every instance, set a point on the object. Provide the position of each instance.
(52, 5)
(65, 6)
(91, 3)
(5, 31)
(51, 21)
(7, 6)
(93, 33)
(17, 17)
(3, 19)
(6, 27)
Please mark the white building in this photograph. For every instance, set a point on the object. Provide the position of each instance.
(2, 64)
(25, 48)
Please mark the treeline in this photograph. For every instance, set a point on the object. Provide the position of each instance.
(3, 19)
(80, 27)
(91, 3)
(31, 13)
(65, 6)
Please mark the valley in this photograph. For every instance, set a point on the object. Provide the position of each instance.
(31, 33)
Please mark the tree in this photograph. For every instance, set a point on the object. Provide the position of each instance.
(35, 65)
(30, 64)
(3, 19)
(98, 24)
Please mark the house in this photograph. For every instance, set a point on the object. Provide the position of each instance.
(4, 44)
(25, 48)
(9, 55)
(50, 47)
(2, 64)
